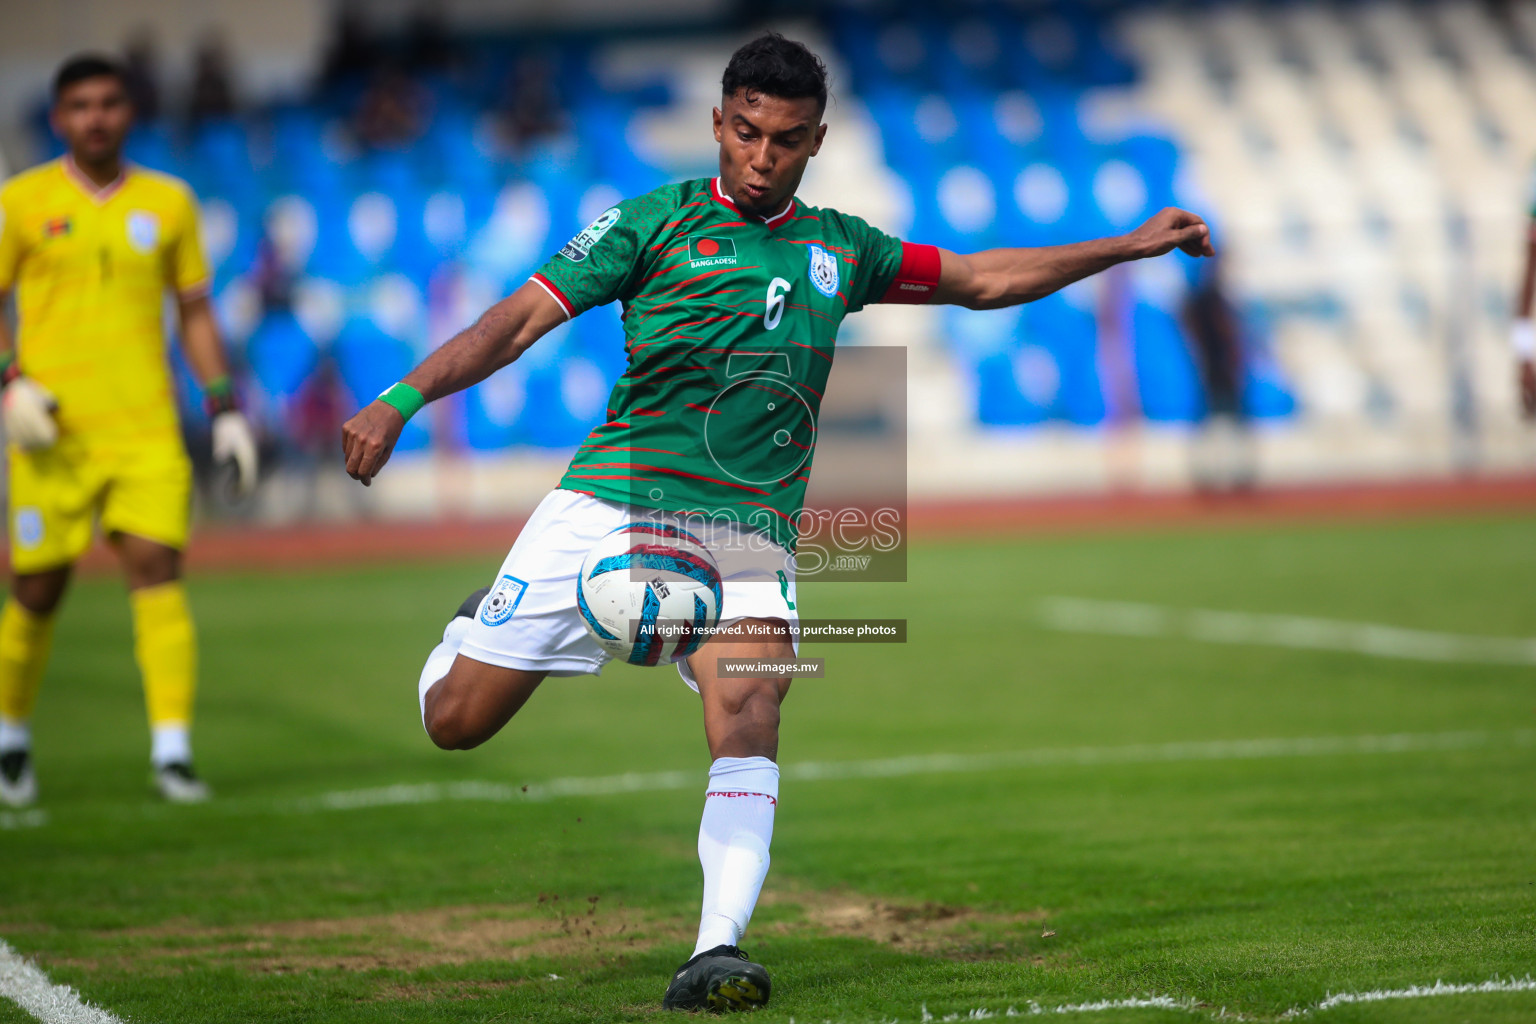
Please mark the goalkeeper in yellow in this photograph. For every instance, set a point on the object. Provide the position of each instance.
(88, 248)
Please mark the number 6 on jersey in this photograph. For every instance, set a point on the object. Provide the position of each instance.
(778, 288)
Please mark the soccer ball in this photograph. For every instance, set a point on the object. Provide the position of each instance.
(649, 593)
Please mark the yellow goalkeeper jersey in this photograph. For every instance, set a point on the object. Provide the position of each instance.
(90, 268)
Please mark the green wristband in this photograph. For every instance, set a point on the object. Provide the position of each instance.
(219, 395)
(404, 399)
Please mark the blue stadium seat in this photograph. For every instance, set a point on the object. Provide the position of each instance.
(232, 236)
(281, 355)
(150, 145)
(493, 411)
(1168, 383)
(1070, 335)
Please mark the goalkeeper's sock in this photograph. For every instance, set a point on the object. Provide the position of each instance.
(14, 736)
(734, 834)
(165, 645)
(25, 640)
(170, 743)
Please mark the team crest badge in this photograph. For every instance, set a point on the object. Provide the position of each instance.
(501, 602)
(143, 230)
(56, 228)
(824, 273)
(577, 248)
(29, 527)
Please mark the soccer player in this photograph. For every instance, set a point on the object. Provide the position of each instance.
(91, 245)
(717, 276)
(1523, 331)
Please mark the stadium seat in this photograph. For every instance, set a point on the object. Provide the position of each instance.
(281, 355)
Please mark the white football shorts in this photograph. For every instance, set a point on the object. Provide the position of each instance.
(530, 621)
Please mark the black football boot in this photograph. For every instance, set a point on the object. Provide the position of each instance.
(718, 979)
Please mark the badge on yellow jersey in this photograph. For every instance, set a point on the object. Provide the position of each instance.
(143, 230)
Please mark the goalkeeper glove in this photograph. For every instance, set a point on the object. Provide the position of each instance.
(233, 440)
(27, 409)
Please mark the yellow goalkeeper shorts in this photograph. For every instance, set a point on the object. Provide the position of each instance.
(58, 494)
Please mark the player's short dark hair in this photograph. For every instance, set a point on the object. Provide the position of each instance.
(87, 65)
(779, 67)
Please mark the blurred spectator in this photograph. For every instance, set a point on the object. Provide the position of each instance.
(1221, 455)
(393, 112)
(353, 53)
(213, 94)
(1523, 331)
(142, 62)
(530, 107)
(317, 414)
(273, 275)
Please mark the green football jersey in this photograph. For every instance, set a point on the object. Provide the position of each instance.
(730, 325)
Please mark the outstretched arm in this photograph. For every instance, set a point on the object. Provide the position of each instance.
(997, 278)
(503, 332)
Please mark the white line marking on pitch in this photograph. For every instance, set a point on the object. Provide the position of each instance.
(919, 764)
(1439, 988)
(27, 987)
(1035, 1009)
(1124, 618)
(36, 817)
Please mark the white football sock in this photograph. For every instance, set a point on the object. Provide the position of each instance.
(441, 660)
(14, 736)
(733, 845)
(170, 744)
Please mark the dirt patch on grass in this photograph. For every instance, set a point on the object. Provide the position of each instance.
(410, 941)
(406, 941)
(935, 929)
(583, 930)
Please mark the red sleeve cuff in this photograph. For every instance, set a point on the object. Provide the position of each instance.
(554, 293)
(918, 279)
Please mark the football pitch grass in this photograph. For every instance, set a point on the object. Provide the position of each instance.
(1236, 827)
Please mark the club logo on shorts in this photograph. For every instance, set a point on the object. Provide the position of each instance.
(29, 527)
(824, 273)
(502, 601)
(143, 230)
(577, 248)
(711, 251)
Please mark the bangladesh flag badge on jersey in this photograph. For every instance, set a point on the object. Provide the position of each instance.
(711, 251)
